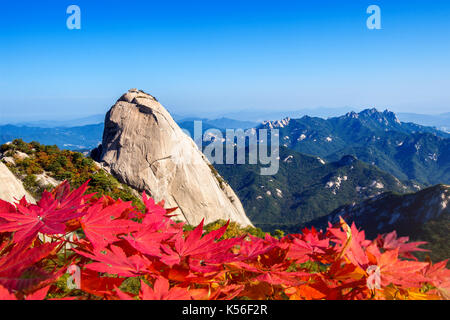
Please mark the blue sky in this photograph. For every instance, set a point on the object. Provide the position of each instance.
(199, 57)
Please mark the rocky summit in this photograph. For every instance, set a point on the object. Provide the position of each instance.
(145, 149)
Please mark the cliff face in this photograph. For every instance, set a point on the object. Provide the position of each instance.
(11, 188)
(145, 149)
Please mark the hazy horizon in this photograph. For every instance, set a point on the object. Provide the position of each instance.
(244, 115)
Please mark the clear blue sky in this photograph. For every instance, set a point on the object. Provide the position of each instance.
(203, 56)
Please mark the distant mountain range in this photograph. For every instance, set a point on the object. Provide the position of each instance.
(406, 150)
(255, 115)
(68, 123)
(73, 138)
(440, 121)
(221, 123)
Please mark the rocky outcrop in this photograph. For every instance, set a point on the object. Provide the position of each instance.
(11, 188)
(145, 149)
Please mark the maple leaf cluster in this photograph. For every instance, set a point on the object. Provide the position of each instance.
(105, 244)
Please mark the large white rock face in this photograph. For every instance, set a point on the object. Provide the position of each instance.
(145, 149)
(11, 188)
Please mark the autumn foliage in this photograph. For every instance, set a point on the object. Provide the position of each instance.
(72, 245)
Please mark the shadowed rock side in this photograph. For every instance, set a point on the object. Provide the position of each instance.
(145, 149)
(11, 188)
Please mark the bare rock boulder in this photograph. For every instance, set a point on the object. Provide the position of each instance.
(145, 149)
(11, 188)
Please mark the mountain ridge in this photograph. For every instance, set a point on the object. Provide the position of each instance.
(408, 151)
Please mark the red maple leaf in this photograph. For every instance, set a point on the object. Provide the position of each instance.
(5, 294)
(161, 291)
(439, 276)
(38, 294)
(147, 241)
(92, 283)
(350, 243)
(271, 267)
(391, 242)
(252, 247)
(19, 259)
(399, 272)
(304, 248)
(153, 208)
(115, 261)
(48, 216)
(102, 224)
(6, 207)
(196, 246)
